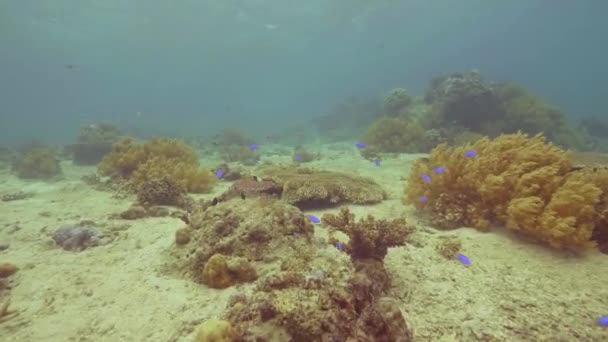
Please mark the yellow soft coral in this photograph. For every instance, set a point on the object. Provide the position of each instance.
(514, 180)
(157, 158)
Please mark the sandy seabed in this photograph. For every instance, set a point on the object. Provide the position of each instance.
(513, 291)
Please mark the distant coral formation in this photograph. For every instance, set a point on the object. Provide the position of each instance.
(37, 162)
(94, 142)
(517, 181)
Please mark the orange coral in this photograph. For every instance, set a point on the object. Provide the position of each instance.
(138, 163)
(517, 181)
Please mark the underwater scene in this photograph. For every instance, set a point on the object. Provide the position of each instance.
(303, 171)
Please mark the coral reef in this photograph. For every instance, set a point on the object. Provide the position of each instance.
(396, 135)
(155, 159)
(303, 292)
(76, 237)
(94, 142)
(37, 162)
(516, 181)
(309, 188)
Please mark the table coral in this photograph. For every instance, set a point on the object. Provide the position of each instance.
(310, 188)
(517, 181)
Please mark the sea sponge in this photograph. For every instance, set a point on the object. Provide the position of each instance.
(37, 162)
(520, 182)
(157, 158)
(369, 238)
(223, 271)
(395, 135)
(310, 188)
(215, 330)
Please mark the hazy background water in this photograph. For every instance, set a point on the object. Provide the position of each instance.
(193, 67)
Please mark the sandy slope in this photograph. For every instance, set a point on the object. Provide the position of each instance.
(513, 291)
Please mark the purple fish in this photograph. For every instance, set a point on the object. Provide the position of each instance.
(252, 147)
(426, 178)
(440, 169)
(313, 219)
(339, 245)
(603, 321)
(423, 198)
(360, 144)
(377, 162)
(464, 259)
(219, 173)
(297, 158)
(470, 153)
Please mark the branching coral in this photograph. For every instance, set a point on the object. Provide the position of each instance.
(370, 238)
(517, 181)
(138, 163)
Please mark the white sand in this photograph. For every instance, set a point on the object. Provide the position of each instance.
(513, 291)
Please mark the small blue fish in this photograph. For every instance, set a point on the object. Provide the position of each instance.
(377, 162)
(423, 198)
(603, 321)
(252, 147)
(464, 259)
(297, 158)
(339, 245)
(313, 219)
(440, 169)
(426, 178)
(360, 144)
(219, 173)
(470, 153)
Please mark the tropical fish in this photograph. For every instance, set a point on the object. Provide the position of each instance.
(423, 198)
(360, 144)
(219, 173)
(426, 178)
(313, 219)
(440, 169)
(377, 162)
(470, 153)
(253, 147)
(464, 259)
(339, 245)
(297, 158)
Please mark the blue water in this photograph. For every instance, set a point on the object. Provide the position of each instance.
(194, 67)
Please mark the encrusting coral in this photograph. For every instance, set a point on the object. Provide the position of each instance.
(517, 181)
(157, 158)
